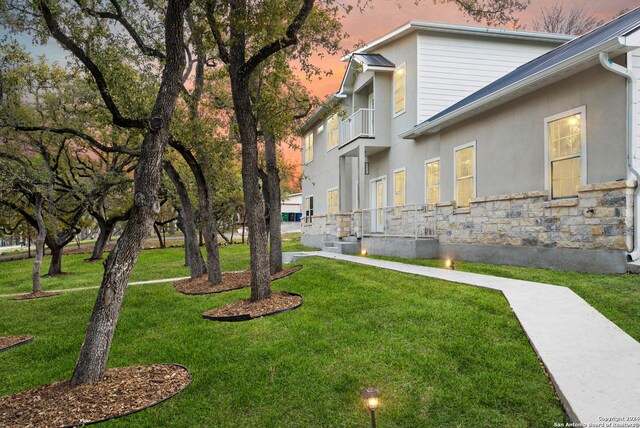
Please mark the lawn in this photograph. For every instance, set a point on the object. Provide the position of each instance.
(15, 276)
(442, 354)
(616, 296)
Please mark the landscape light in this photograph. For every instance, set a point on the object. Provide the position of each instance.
(450, 264)
(363, 252)
(370, 397)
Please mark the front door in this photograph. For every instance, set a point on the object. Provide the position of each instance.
(378, 202)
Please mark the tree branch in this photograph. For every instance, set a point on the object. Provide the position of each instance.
(290, 38)
(74, 132)
(98, 77)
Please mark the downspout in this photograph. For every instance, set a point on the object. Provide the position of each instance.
(608, 64)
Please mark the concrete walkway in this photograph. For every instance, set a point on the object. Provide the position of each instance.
(95, 287)
(594, 365)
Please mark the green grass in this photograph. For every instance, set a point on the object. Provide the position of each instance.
(15, 276)
(616, 296)
(442, 354)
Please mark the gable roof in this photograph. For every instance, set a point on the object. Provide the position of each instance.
(568, 59)
(472, 30)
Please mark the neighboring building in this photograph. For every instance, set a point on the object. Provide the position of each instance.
(452, 149)
(292, 206)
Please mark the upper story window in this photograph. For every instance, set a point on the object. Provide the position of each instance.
(332, 132)
(432, 183)
(399, 187)
(565, 148)
(332, 201)
(308, 147)
(465, 174)
(399, 89)
(320, 128)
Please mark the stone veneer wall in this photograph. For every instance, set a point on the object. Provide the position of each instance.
(601, 217)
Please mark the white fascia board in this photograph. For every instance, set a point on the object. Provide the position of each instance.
(502, 95)
(460, 29)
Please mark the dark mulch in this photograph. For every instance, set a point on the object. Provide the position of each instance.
(230, 281)
(246, 309)
(123, 391)
(38, 295)
(8, 342)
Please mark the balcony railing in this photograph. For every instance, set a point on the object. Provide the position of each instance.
(359, 124)
(410, 221)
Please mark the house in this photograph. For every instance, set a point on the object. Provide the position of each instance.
(483, 145)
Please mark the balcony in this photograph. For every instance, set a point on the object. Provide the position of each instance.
(359, 125)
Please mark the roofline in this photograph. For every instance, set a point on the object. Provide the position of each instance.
(317, 113)
(412, 26)
(458, 115)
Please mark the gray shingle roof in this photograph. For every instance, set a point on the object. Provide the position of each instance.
(618, 27)
(375, 60)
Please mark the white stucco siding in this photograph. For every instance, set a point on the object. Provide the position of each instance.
(453, 67)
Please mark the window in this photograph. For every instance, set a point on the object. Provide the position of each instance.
(332, 201)
(308, 209)
(565, 150)
(399, 89)
(399, 187)
(432, 183)
(320, 129)
(308, 147)
(465, 174)
(332, 132)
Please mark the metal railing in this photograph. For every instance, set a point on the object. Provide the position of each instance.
(359, 124)
(405, 221)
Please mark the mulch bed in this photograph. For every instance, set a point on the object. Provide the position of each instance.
(8, 342)
(123, 391)
(245, 310)
(38, 295)
(230, 281)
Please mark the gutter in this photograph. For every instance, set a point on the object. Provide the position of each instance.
(632, 84)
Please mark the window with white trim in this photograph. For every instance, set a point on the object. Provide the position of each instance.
(399, 89)
(465, 175)
(308, 147)
(332, 132)
(399, 176)
(332, 201)
(565, 145)
(308, 209)
(432, 183)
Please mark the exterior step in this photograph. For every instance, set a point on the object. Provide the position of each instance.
(342, 247)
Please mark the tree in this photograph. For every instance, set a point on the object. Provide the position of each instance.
(109, 45)
(561, 20)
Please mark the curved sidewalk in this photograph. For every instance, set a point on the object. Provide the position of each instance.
(593, 364)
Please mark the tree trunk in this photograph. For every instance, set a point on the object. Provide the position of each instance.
(253, 201)
(97, 343)
(42, 233)
(207, 216)
(193, 256)
(187, 255)
(275, 215)
(106, 230)
(55, 268)
(158, 234)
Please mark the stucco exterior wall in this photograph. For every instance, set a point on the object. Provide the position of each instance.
(510, 139)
